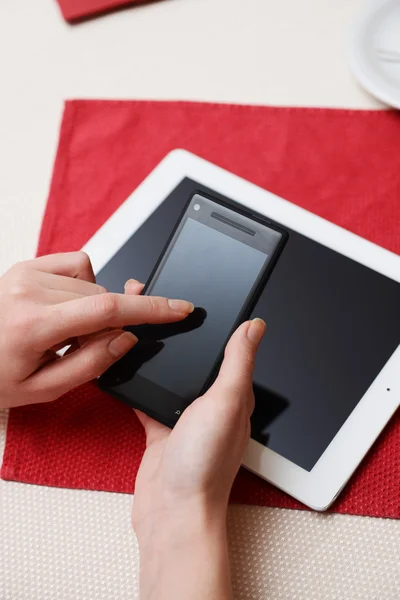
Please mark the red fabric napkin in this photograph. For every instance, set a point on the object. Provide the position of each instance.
(74, 10)
(343, 165)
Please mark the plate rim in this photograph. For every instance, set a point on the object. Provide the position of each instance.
(359, 64)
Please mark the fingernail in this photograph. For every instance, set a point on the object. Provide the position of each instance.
(121, 344)
(181, 306)
(256, 330)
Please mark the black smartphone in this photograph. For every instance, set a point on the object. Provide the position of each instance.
(219, 257)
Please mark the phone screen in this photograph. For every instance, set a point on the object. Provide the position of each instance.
(215, 260)
(215, 272)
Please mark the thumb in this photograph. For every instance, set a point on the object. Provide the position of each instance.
(154, 430)
(133, 287)
(237, 367)
(86, 363)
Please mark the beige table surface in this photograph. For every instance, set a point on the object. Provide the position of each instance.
(67, 544)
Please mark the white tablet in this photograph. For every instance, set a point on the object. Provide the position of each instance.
(327, 377)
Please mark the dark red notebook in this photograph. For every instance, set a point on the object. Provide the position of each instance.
(74, 10)
(343, 165)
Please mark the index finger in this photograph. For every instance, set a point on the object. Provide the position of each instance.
(93, 313)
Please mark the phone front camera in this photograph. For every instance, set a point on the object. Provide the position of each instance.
(196, 207)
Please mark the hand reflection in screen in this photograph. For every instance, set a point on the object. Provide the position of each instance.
(269, 405)
(149, 345)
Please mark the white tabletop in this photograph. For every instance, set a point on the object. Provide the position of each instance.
(65, 544)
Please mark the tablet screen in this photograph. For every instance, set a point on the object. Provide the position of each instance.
(332, 324)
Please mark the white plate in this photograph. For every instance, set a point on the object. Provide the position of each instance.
(375, 51)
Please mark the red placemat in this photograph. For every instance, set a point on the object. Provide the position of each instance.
(75, 10)
(343, 165)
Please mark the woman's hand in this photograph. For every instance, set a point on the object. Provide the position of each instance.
(185, 478)
(53, 301)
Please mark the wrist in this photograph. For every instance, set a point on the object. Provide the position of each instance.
(184, 554)
(180, 523)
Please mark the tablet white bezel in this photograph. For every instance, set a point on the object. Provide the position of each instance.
(320, 486)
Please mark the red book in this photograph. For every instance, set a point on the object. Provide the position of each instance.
(74, 10)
